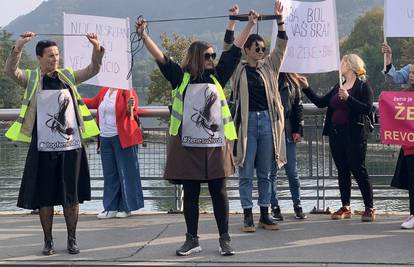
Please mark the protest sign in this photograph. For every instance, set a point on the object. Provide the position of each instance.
(113, 35)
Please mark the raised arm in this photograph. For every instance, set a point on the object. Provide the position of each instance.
(155, 51)
(230, 58)
(390, 73)
(94, 67)
(229, 35)
(242, 37)
(276, 57)
(12, 63)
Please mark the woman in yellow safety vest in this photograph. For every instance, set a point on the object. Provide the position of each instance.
(200, 128)
(54, 120)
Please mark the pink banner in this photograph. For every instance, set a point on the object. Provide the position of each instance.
(397, 118)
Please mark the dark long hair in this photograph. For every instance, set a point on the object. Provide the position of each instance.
(194, 60)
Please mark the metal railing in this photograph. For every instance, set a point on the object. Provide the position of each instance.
(316, 169)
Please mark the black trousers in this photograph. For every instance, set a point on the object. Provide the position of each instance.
(218, 193)
(409, 160)
(349, 156)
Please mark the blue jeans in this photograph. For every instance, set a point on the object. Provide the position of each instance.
(122, 181)
(292, 174)
(259, 155)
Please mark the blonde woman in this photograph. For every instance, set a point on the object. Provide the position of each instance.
(348, 129)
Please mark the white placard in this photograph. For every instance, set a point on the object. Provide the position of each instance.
(399, 18)
(313, 45)
(113, 34)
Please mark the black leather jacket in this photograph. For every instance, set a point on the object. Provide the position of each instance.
(359, 105)
(293, 108)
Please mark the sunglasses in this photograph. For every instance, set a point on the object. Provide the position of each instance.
(260, 48)
(208, 56)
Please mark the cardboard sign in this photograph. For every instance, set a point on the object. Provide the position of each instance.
(113, 35)
(313, 37)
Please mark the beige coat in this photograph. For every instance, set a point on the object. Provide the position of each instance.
(13, 71)
(268, 68)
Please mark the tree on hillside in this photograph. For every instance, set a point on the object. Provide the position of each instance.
(407, 51)
(159, 88)
(365, 40)
(10, 93)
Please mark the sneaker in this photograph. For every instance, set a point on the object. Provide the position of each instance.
(190, 246)
(408, 223)
(277, 214)
(248, 224)
(107, 214)
(342, 213)
(225, 249)
(368, 215)
(268, 223)
(122, 214)
(299, 213)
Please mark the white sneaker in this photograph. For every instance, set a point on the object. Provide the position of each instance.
(106, 214)
(123, 214)
(409, 223)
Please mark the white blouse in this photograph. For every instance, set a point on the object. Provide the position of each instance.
(107, 115)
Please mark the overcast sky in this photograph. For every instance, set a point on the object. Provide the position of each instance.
(11, 9)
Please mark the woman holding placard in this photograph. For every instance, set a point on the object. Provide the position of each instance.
(348, 129)
(119, 139)
(404, 170)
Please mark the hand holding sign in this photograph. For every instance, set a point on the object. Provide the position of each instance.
(131, 103)
(343, 94)
(387, 51)
(93, 39)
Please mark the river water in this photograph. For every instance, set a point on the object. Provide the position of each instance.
(380, 163)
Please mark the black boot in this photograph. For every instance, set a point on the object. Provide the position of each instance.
(277, 213)
(248, 224)
(48, 248)
(265, 221)
(72, 246)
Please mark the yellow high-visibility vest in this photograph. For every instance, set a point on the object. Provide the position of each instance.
(14, 132)
(178, 106)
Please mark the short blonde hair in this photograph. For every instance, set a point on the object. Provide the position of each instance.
(357, 65)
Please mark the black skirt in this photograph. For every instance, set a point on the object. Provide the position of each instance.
(54, 178)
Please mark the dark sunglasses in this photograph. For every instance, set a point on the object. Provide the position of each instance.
(207, 56)
(262, 48)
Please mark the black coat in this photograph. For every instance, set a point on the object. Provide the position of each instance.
(359, 104)
(292, 106)
(400, 179)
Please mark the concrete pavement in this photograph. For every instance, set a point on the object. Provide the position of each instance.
(151, 240)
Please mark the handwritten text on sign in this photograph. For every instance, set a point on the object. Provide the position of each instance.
(397, 118)
(312, 32)
(113, 35)
(398, 18)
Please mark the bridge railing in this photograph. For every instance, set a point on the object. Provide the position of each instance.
(317, 172)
